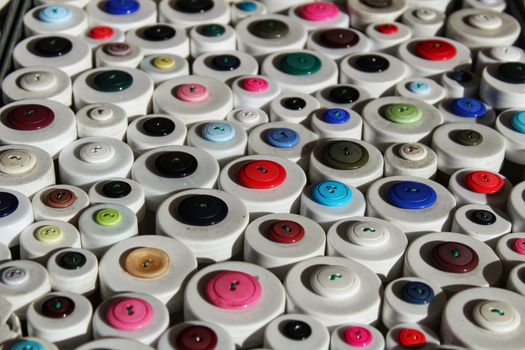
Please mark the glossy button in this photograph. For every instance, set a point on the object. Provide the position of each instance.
(419, 88)
(14, 276)
(454, 257)
(121, 7)
(436, 50)
(387, 28)
(116, 189)
(54, 14)
(49, 234)
(425, 14)
(255, 85)
(225, 62)
(283, 138)
(518, 122)
(247, 6)
(233, 290)
(367, 234)
(496, 316)
(147, 263)
(338, 38)
(108, 217)
(332, 193)
(218, 132)
(23, 344)
(163, 62)
(192, 93)
(176, 164)
(485, 21)
(296, 330)
(193, 6)
(117, 49)
(57, 307)
(344, 155)
(30, 117)
(320, 11)
(159, 32)
(411, 195)
(52, 46)
(358, 337)
(484, 182)
(202, 210)
(378, 4)
(261, 174)
(412, 152)
(344, 94)
(112, 81)
(293, 103)
(8, 204)
(372, 63)
(96, 152)
(196, 338)
(512, 72)
(211, 30)
(130, 314)
(418, 293)
(519, 246)
(333, 281)
(300, 64)
(158, 126)
(403, 113)
(268, 29)
(336, 116)
(248, 117)
(60, 198)
(16, 162)
(482, 217)
(71, 260)
(101, 33)
(468, 107)
(460, 76)
(467, 137)
(286, 232)
(411, 338)
(37, 81)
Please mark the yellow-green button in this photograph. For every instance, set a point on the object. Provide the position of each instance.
(300, 64)
(468, 137)
(112, 81)
(344, 155)
(49, 234)
(403, 113)
(269, 29)
(108, 217)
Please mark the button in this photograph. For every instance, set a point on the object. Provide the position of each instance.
(358, 337)
(247, 6)
(283, 138)
(496, 316)
(57, 307)
(147, 263)
(261, 174)
(121, 7)
(52, 46)
(506, 53)
(293, 103)
(454, 257)
(378, 4)
(8, 204)
(112, 81)
(30, 117)
(412, 152)
(334, 281)
(419, 88)
(418, 293)
(158, 126)
(14, 276)
(332, 193)
(460, 76)
(320, 11)
(485, 21)
(255, 85)
(130, 314)
(344, 94)
(338, 38)
(192, 93)
(286, 232)
(467, 137)
(411, 195)
(54, 14)
(344, 155)
(71, 260)
(512, 72)
(108, 217)
(117, 49)
(426, 15)
(268, 29)
(482, 217)
(16, 162)
(116, 189)
(296, 330)
(403, 113)
(484, 182)
(60, 198)
(299, 64)
(367, 234)
(468, 107)
(211, 30)
(248, 116)
(436, 50)
(49, 234)
(176, 164)
(193, 6)
(159, 32)
(163, 62)
(101, 33)
(336, 116)
(372, 63)
(387, 28)
(202, 210)
(196, 338)
(218, 132)
(225, 62)
(96, 152)
(100, 114)
(519, 246)
(37, 81)
(24, 344)
(411, 338)
(233, 290)
(518, 122)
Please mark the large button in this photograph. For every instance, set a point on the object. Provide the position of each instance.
(403, 113)
(16, 161)
(344, 155)
(496, 316)
(202, 210)
(117, 49)
(130, 314)
(468, 108)
(196, 338)
(372, 63)
(54, 14)
(338, 38)
(413, 152)
(233, 290)
(52, 46)
(147, 263)
(193, 6)
(518, 122)
(25, 344)
(300, 64)
(332, 193)
(411, 338)
(296, 330)
(367, 234)
(411, 195)
(158, 126)
(225, 62)
(58, 307)
(108, 217)
(121, 7)
(484, 182)
(192, 93)
(37, 81)
(418, 293)
(336, 116)
(71, 260)
(49, 234)
(467, 137)
(101, 32)
(344, 94)
(211, 30)
(14, 276)
(268, 29)
(283, 138)
(320, 11)
(159, 32)
(261, 174)
(512, 72)
(176, 164)
(482, 217)
(293, 103)
(377, 4)
(255, 84)
(358, 337)
(332, 281)
(116, 189)
(436, 50)
(454, 257)
(286, 232)
(461, 76)
(519, 246)
(112, 81)
(30, 117)
(96, 152)
(218, 132)
(8, 204)
(60, 198)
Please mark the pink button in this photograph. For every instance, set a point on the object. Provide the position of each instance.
(255, 85)
(319, 11)
(233, 290)
(130, 314)
(519, 246)
(192, 93)
(358, 337)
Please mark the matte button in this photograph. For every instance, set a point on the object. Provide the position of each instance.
(460, 76)
(116, 189)
(58, 307)
(338, 38)
(336, 116)
(485, 21)
(419, 88)
(518, 122)
(247, 6)
(16, 162)
(159, 33)
(30, 117)
(14, 276)
(112, 81)
(411, 338)
(158, 126)
(367, 234)
(218, 132)
(293, 103)
(196, 338)
(468, 108)
(296, 330)
(332, 281)
(300, 64)
(519, 246)
(344, 94)
(130, 314)
(202, 210)
(192, 93)
(71, 260)
(23, 344)
(372, 63)
(176, 164)
(108, 217)
(403, 113)
(117, 49)
(225, 62)
(233, 290)
(54, 14)
(413, 152)
(211, 30)
(467, 137)
(344, 155)
(60, 198)
(261, 174)
(101, 33)
(512, 72)
(283, 138)
(96, 152)
(411, 195)
(255, 85)
(147, 263)
(8, 204)
(506, 53)
(320, 11)
(49, 234)
(37, 81)
(425, 14)
(332, 193)
(193, 6)
(496, 316)
(358, 337)
(418, 293)
(484, 182)
(121, 7)
(163, 62)
(52, 46)
(454, 257)
(436, 50)
(268, 29)
(286, 232)
(378, 4)
(482, 217)
(387, 28)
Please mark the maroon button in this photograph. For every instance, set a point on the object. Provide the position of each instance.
(286, 232)
(454, 257)
(196, 338)
(338, 38)
(60, 198)
(30, 117)
(58, 307)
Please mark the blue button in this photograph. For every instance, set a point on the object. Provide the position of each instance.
(54, 14)
(460, 76)
(121, 7)
(283, 138)
(336, 116)
(218, 132)
(468, 107)
(8, 203)
(26, 345)
(411, 195)
(518, 122)
(419, 87)
(247, 6)
(417, 293)
(332, 193)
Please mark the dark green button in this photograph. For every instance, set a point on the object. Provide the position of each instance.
(176, 164)
(372, 63)
(343, 94)
(403, 113)
(344, 155)
(159, 33)
(112, 81)
(512, 72)
(300, 64)
(71, 260)
(468, 137)
(377, 4)
(193, 6)
(268, 29)
(483, 217)
(211, 30)
(53, 46)
(116, 189)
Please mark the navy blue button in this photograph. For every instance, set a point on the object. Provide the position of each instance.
(336, 116)
(417, 293)
(332, 193)
(225, 62)
(460, 76)
(8, 203)
(468, 107)
(411, 195)
(282, 138)
(24, 344)
(247, 6)
(121, 7)
(202, 210)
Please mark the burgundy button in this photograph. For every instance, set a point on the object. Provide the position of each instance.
(58, 307)
(338, 38)
(60, 198)
(196, 338)
(30, 117)
(454, 257)
(286, 232)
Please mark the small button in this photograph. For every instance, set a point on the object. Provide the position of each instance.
(52, 46)
(482, 217)
(100, 113)
(101, 33)
(512, 72)
(30, 117)
(233, 290)
(8, 204)
(296, 330)
(506, 53)
(368, 234)
(283, 138)
(147, 263)
(211, 30)
(484, 182)
(247, 116)
(96, 152)
(468, 108)
(71, 260)
(387, 28)
(112, 81)
(518, 122)
(485, 21)
(519, 246)
(338, 38)
(130, 314)
(117, 49)
(54, 14)
(468, 137)
(460, 76)
(320, 11)
(403, 113)
(377, 4)
(425, 14)
(332, 281)
(196, 338)
(60, 198)
(57, 307)
(336, 116)
(16, 162)
(176, 164)
(496, 316)
(49, 234)
(300, 64)
(344, 155)
(24, 344)
(14, 276)
(268, 29)
(121, 7)
(454, 257)
(293, 103)
(218, 132)
(286, 232)
(412, 338)
(419, 88)
(372, 63)
(261, 174)
(332, 193)
(163, 62)
(159, 32)
(158, 126)
(108, 217)
(344, 94)
(202, 210)
(116, 189)
(413, 152)
(193, 6)
(37, 81)
(225, 62)
(192, 93)
(255, 85)
(411, 195)
(418, 293)
(358, 337)
(247, 6)
(436, 50)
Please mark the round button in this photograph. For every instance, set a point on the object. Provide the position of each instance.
(101, 33)
(49, 234)
(377, 4)
(37, 81)
(158, 126)
(130, 314)
(485, 21)
(425, 14)
(358, 337)
(367, 234)
(506, 53)
(233, 290)
(419, 88)
(460, 76)
(96, 152)
(300, 64)
(412, 338)
(387, 28)
(333, 281)
(176, 164)
(332, 193)
(121, 7)
(268, 29)
(117, 49)
(112, 81)
(468, 107)
(225, 62)
(60, 198)
(512, 72)
(293, 103)
(484, 182)
(192, 93)
(211, 30)
(196, 338)
(496, 316)
(108, 217)
(16, 162)
(57, 307)
(116, 189)
(403, 113)
(24, 344)
(147, 263)
(247, 6)
(202, 210)
(100, 114)
(467, 137)
(248, 117)
(418, 293)
(372, 63)
(286, 232)
(482, 217)
(296, 330)
(344, 94)
(159, 32)
(436, 50)
(8, 204)
(52, 46)
(218, 132)
(255, 85)
(30, 117)
(411, 195)
(338, 38)
(261, 174)
(454, 257)
(193, 6)
(54, 14)
(283, 138)
(14, 276)
(71, 260)
(163, 62)
(336, 116)
(518, 122)
(412, 152)
(519, 246)
(344, 155)
(320, 11)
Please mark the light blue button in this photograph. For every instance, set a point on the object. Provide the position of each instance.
(26, 345)
(336, 116)
(332, 193)
(218, 132)
(247, 6)
(419, 87)
(518, 122)
(283, 138)
(54, 14)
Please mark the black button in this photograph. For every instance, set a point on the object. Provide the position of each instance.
(202, 210)
(158, 126)
(193, 6)
(211, 30)
(116, 189)
(512, 72)
(297, 330)
(53, 46)
(377, 4)
(176, 164)
(460, 76)
(483, 217)
(159, 33)
(58, 307)
(372, 63)
(293, 103)
(71, 260)
(8, 203)
(225, 62)
(343, 94)
(338, 38)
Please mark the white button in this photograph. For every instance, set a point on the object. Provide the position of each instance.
(16, 161)
(100, 113)
(496, 316)
(247, 117)
(14, 276)
(485, 21)
(334, 281)
(488, 2)
(412, 152)
(37, 81)
(505, 53)
(96, 152)
(368, 234)
(425, 14)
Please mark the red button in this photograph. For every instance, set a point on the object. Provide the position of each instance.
(196, 338)
(454, 257)
(60, 198)
(436, 50)
(412, 338)
(101, 33)
(387, 28)
(262, 174)
(484, 182)
(30, 117)
(286, 232)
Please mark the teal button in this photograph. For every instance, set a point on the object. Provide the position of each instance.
(332, 193)
(23, 344)
(518, 122)
(112, 81)
(300, 64)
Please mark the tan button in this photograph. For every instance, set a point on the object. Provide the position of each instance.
(147, 263)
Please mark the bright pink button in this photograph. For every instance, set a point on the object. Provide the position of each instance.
(130, 314)
(519, 246)
(358, 337)
(233, 290)
(255, 85)
(192, 93)
(319, 11)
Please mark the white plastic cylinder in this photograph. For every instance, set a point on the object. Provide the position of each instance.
(514, 205)
(296, 331)
(59, 202)
(101, 119)
(55, 19)
(410, 159)
(17, 214)
(73, 270)
(155, 130)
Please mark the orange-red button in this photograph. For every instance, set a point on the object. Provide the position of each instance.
(101, 33)
(436, 50)
(412, 338)
(484, 182)
(387, 28)
(262, 174)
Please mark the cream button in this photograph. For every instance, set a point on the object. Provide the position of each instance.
(37, 81)
(412, 152)
(368, 234)
(96, 152)
(16, 161)
(334, 281)
(100, 113)
(496, 316)
(485, 21)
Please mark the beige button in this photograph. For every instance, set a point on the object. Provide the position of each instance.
(147, 263)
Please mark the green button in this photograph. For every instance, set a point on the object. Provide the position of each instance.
(108, 217)
(112, 81)
(49, 234)
(269, 29)
(344, 155)
(403, 113)
(211, 30)
(468, 137)
(300, 64)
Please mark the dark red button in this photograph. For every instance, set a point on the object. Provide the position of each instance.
(286, 232)
(262, 174)
(412, 338)
(60, 198)
(196, 338)
(58, 307)
(338, 38)
(484, 182)
(454, 257)
(30, 117)
(436, 50)
(387, 28)
(101, 33)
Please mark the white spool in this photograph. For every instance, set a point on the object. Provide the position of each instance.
(296, 332)
(424, 21)
(59, 202)
(498, 54)
(510, 250)
(494, 5)
(344, 96)
(516, 281)
(211, 37)
(363, 13)
(248, 118)
(160, 39)
(55, 19)
(355, 336)
(326, 126)
(240, 11)
(164, 67)
(403, 335)
(254, 91)
(118, 54)
(293, 107)
(155, 130)
(410, 159)
(421, 88)
(502, 91)
(387, 36)
(338, 42)
(96, 36)
(460, 83)
(514, 138)
(480, 113)
(73, 270)
(171, 12)
(17, 214)
(321, 14)
(101, 119)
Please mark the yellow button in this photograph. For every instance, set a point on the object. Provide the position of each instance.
(147, 263)
(163, 62)
(49, 234)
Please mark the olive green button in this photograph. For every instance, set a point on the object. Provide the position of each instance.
(344, 155)
(403, 113)
(468, 137)
(112, 81)
(300, 64)
(108, 217)
(269, 29)
(49, 234)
